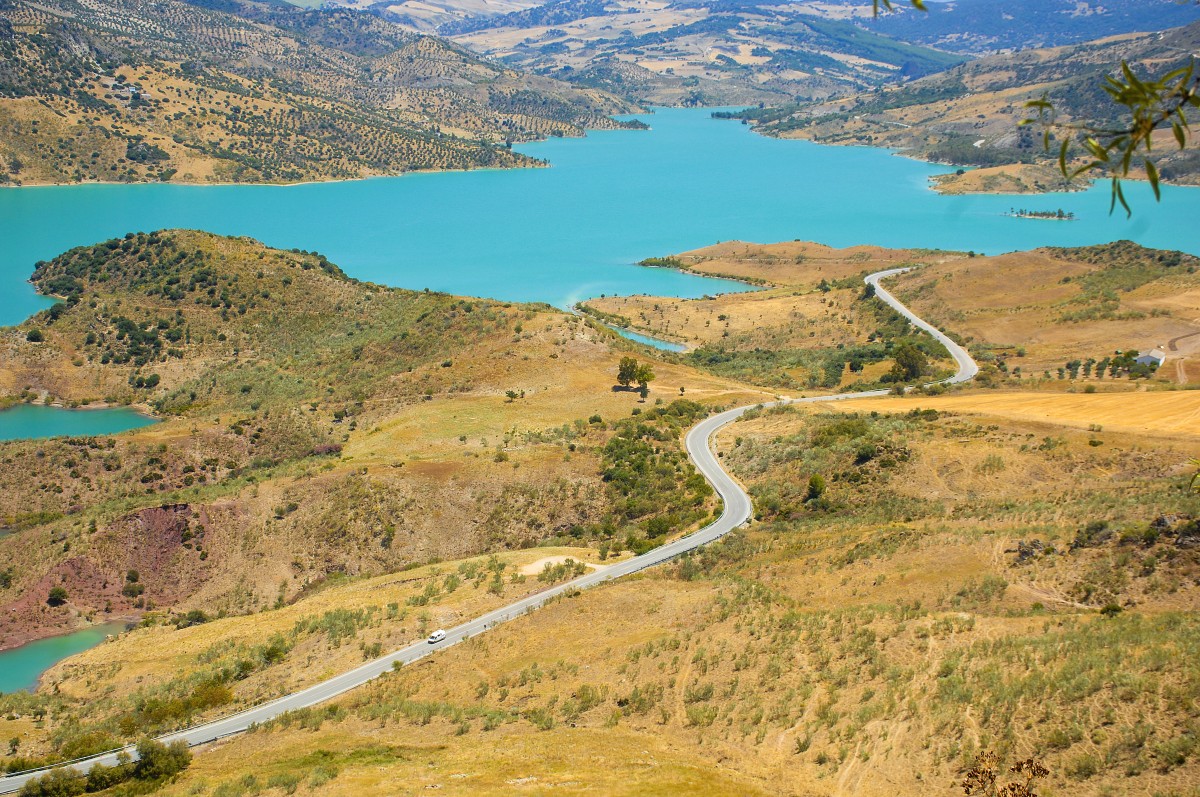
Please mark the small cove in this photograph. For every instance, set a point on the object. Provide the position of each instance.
(21, 667)
(35, 421)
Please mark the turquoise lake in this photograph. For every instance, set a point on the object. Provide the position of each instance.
(27, 421)
(21, 667)
(574, 230)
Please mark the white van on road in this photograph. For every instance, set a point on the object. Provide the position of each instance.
(436, 636)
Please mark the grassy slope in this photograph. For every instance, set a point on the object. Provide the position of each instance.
(822, 652)
(334, 427)
(125, 91)
(698, 53)
(1078, 303)
(801, 332)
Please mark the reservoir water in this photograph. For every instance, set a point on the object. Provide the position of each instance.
(572, 231)
(21, 667)
(27, 421)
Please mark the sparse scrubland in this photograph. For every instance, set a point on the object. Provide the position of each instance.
(962, 582)
(1012, 567)
(971, 115)
(1078, 311)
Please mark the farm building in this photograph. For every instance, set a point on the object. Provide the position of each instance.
(1153, 357)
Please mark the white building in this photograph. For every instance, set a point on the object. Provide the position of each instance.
(1153, 357)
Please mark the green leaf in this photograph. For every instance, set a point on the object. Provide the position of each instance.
(1152, 176)
(1118, 195)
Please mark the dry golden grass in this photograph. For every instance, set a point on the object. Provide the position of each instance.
(1016, 178)
(157, 654)
(829, 667)
(1169, 414)
(791, 313)
(975, 299)
(437, 461)
(610, 761)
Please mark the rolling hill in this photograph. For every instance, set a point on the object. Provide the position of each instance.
(229, 91)
(698, 53)
(971, 115)
(749, 51)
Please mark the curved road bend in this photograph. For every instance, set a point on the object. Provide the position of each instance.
(736, 511)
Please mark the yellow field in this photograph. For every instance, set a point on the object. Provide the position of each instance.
(1173, 414)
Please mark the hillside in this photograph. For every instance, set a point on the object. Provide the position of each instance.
(312, 426)
(232, 91)
(981, 27)
(971, 115)
(816, 653)
(733, 52)
(1077, 310)
(813, 329)
(698, 53)
(375, 481)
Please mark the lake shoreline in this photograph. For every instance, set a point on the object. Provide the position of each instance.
(9, 643)
(572, 232)
(539, 164)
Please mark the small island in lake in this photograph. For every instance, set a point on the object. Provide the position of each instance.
(1054, 215)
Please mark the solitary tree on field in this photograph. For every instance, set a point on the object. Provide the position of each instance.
(627, 371)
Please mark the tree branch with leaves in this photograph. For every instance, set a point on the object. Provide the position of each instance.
(1150, 105)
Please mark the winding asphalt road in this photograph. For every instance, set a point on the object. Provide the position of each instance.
(737, 510)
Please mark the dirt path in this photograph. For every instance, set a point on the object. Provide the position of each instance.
(533, 568)
(1172, 344)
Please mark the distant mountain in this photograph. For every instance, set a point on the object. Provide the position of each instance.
(427, 15)
(695, 53)
(985, 26)
(234, 90)
(970, 115)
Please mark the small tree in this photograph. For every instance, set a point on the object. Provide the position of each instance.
(34, 336)
(644, 376)
(816, 487)
(911, 363)
(511, 395)
(57, 596)
(627, 371)
(158, 761)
